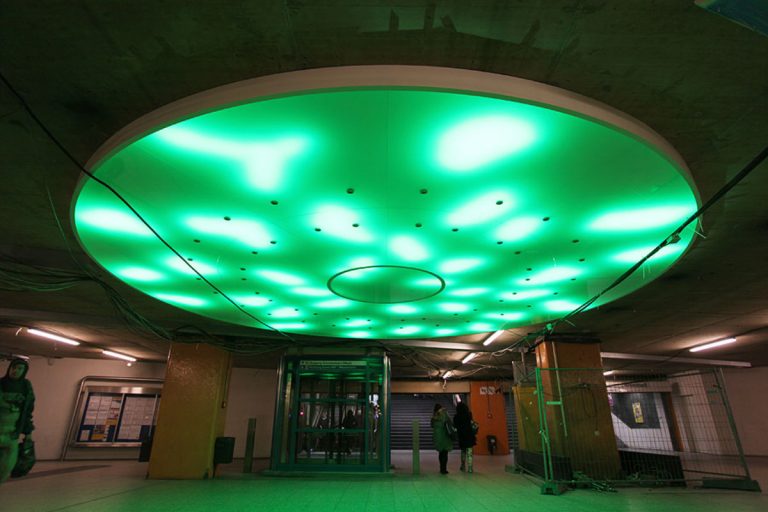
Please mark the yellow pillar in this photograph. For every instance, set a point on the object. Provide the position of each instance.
(192, 412)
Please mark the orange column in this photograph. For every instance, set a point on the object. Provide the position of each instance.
(577, 410)
(486, 401)
(192, 412)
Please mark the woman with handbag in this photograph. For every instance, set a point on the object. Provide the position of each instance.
(466, 430)
(17, 400)
(442, 435)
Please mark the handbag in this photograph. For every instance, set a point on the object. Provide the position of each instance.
(26, 458)
(450, 429)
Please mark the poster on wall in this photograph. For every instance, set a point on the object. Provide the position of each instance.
(117, 418)
(636, 410)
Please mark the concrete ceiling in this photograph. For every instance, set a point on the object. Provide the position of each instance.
(88, 68)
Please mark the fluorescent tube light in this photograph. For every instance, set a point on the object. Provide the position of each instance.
(118, 355)
(492, 337)
(609, 372)
(447, 374)
(54, 337)
(713, 344)
(469, 357)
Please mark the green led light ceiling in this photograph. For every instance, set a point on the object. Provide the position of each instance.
(384, 212)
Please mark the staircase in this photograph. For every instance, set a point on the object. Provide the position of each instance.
(407, 407)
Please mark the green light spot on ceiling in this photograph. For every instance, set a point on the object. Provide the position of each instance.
(285, 313)
(459, 265)
(179, 265)
(252, 301)
(561, 306)
(517, 229)
(360, 322)
(114, 221)
(291, 326)
(181, 300)
(453, 307)
(264, 162)
(403, 309)
(449, 212)
(506, 317)
(480, 141)
(248, 232)
(333, 304)
(642, 218)
(525, 295)
(551, 275)
(311, 292)
(634, 255)
(481, 209)
(280, 277)
(408, 248)
(140, 274)
(467, 292)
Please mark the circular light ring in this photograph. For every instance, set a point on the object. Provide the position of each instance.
(519, 197)
(386, 284)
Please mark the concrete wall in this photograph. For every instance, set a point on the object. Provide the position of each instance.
(56, 382)
(747, 390)
(252, 394)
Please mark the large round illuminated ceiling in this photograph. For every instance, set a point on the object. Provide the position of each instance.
(384, 202)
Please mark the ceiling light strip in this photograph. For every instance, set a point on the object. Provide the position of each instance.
(54, 337)
(714, 344)
(492, 337)
(118, 355)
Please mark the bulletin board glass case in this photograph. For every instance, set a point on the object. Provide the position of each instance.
(114, 412)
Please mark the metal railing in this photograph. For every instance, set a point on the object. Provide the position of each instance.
(641, 429)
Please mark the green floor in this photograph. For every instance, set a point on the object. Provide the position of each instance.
(87, 486)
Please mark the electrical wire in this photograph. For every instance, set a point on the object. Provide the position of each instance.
(122, 199)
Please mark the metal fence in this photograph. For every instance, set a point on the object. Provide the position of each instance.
(579, 428)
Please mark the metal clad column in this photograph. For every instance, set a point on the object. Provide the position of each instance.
(192, 412)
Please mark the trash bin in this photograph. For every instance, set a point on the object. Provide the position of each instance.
(491, 444)
(145, 450)
(223, 450)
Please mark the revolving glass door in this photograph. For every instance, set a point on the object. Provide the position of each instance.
(332, 414)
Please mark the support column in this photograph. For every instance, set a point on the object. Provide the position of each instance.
(576, 404)
(192, 412)
(488, 410)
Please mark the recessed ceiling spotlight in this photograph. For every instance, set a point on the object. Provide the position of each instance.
(713, 344)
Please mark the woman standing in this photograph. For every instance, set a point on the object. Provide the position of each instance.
(442, 426)
(466, 434)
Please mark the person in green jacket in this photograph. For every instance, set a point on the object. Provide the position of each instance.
(442, 427)
(17, 400)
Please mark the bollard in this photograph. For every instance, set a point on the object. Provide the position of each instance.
(249, 440)
(416, 461)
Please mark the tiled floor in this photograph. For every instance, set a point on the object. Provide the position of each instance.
(112, 486)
